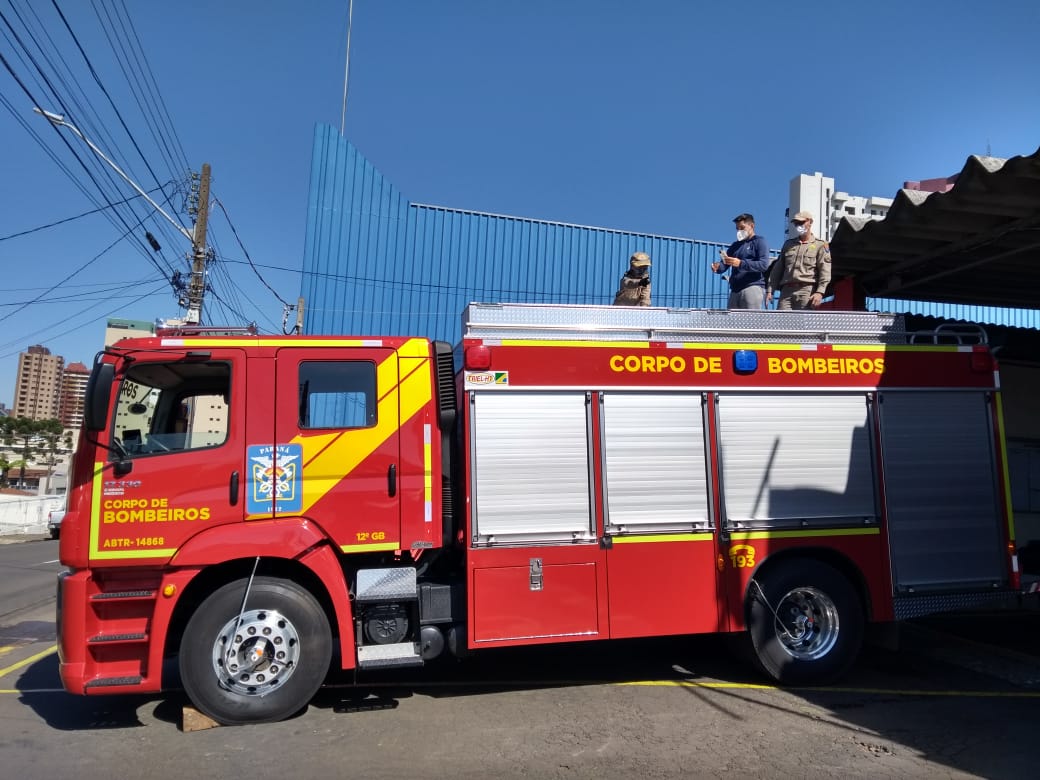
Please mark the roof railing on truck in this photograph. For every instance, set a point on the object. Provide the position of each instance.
(513, 321)
(959, 333)
(206, 330)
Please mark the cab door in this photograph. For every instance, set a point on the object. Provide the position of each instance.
(176, 454)
(336, 454)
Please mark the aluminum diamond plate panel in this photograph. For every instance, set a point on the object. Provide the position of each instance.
(907, 607)
(380, 584)
(618, 323)
(402, 654)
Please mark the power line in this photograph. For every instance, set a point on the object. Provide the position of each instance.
(232, 310)
(220, 270)
(47, 67)
(109, 313)
(246, 253)
(83, 267)
(107, 293)
(48, 87)
(39, 140)
(45, 328)
(96, 130)
(120, 284)
(97, 79)
(115, 215)
(477, 293)
(158, 93)
(78, 216)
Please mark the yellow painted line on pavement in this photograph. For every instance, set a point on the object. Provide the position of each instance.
(871, 691)
(7, 649)
(26, 661)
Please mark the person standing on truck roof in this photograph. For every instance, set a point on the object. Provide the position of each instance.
(747, 261)
(634, 287)
(803, 270)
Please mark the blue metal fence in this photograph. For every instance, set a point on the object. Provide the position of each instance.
(377, 264)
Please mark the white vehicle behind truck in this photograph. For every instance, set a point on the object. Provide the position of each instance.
(54, 518)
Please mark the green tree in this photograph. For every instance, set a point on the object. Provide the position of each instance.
(53, 433)
(22, 432)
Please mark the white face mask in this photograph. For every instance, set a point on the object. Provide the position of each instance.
(801, 229)
(741, 235)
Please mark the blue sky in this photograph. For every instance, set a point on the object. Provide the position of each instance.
(664, 116)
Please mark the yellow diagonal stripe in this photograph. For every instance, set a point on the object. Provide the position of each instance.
(26, 661)
(404, 392)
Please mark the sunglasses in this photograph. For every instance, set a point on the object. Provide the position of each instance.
(798, 221)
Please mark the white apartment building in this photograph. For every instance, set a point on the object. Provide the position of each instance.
(816, 194)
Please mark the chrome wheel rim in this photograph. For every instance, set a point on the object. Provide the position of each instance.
(806, 623)
(258, 656)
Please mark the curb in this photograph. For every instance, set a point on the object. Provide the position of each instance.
(41, 536)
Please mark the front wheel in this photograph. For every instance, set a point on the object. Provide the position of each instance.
(805, 621)
(258, 663)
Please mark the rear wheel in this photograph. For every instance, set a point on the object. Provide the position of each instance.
(805, 621)
(258, 664)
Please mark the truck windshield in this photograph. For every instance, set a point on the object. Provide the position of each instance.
(172, 407)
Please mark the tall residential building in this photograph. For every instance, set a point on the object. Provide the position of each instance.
(73, 393)
(37, 389)
(817, 195)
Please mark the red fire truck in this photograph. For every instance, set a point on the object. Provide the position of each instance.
(251, 504)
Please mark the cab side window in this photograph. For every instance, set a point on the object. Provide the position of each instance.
(337, 394)
(172, 407)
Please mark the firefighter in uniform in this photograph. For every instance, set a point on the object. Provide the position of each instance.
(803, 270)
(634, 287)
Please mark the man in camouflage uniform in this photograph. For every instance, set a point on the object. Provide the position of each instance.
(634, 287)
(803, 270)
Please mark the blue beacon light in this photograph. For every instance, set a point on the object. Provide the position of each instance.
(745, 361)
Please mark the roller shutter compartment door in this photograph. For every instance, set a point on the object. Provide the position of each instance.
(940, 489)
(531, 466)
(796, 460)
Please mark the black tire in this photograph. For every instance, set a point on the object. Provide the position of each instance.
(806, 623)
(55, 533)
(283, 632)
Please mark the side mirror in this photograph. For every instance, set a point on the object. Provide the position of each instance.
(99, 393)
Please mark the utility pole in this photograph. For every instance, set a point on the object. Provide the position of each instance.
(199, 252)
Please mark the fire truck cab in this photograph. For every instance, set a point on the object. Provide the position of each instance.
(249, 504)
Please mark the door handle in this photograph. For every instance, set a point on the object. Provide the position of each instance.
(391, 480)
(233, 488)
